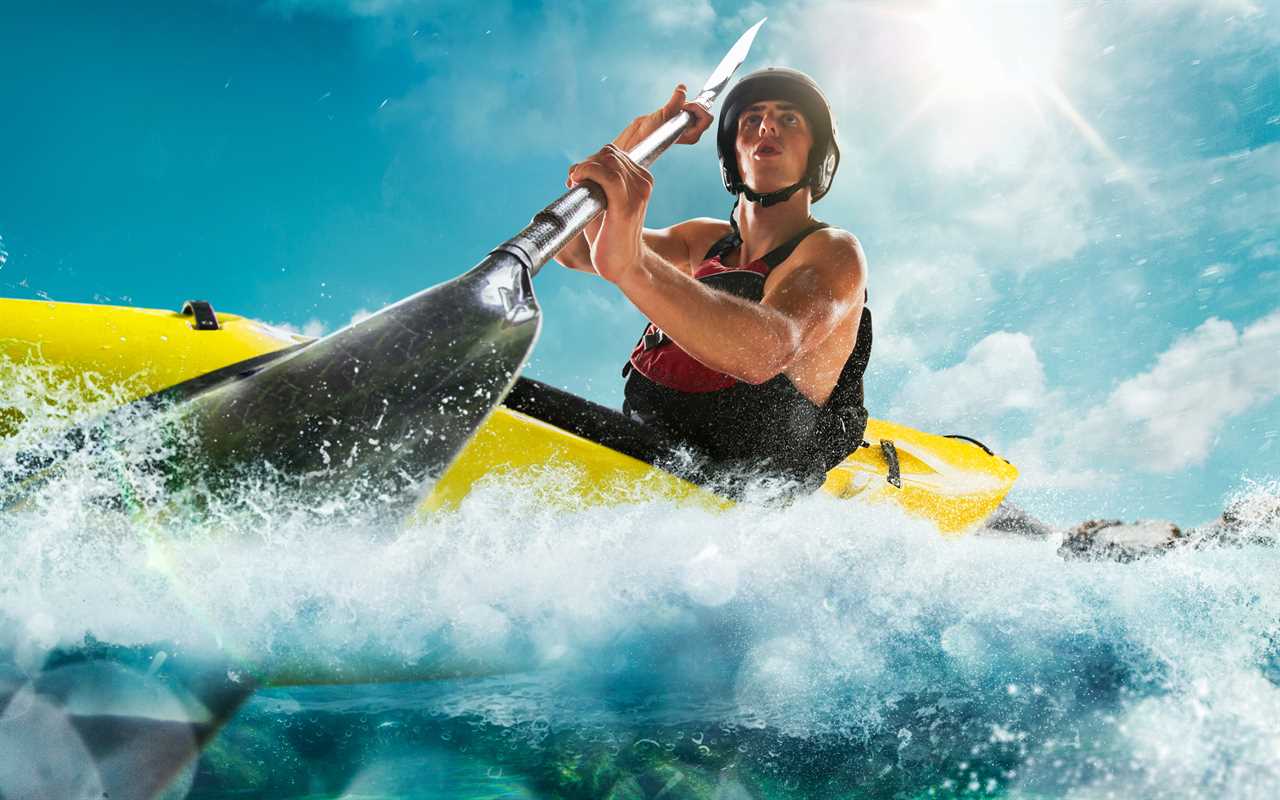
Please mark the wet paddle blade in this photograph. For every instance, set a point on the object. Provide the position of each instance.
(380, 408)
(729, 64)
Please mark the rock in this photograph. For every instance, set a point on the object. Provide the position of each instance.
(1011, 519)
(1114, 540)
(1253, 518)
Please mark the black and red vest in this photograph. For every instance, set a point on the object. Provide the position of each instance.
(768, 428)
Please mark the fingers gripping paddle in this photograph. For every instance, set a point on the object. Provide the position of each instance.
(384, 405)
(559, 222)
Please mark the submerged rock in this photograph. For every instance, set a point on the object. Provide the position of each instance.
(1251, 519)
(1111, 539)
(1012, 519)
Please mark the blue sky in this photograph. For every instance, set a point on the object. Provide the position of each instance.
(1071, 211)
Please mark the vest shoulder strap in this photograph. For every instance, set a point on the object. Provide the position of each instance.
(723, 245)
(780, 253)
(774, 257)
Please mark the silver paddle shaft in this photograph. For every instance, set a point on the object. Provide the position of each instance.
(554, 226)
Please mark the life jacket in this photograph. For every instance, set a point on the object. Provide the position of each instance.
(741, 427)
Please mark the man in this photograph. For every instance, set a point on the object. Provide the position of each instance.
(759, 335)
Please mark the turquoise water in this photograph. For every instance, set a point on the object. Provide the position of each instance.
(512, 650)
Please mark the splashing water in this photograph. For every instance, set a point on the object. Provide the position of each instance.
(511, 650)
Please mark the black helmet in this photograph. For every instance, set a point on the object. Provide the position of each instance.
(780, 83)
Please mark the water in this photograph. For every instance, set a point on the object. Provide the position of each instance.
(510, 651)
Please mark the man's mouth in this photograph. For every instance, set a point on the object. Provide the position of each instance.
(768, 150)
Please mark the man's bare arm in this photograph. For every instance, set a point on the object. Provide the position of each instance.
(821, 289)
(671, 244)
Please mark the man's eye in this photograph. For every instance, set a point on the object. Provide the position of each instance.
(790, 119)
(753, 119)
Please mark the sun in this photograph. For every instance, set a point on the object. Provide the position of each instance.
(990, 73)
(989, 50)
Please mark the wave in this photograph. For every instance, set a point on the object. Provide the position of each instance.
(822, 632)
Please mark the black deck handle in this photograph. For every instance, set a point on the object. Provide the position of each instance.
(891, 458)
(202, 311)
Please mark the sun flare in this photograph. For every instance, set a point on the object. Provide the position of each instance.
(998, 63)
(999, 49)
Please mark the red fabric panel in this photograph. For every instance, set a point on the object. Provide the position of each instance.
(670, 366)
(673, 368)
(712, 266)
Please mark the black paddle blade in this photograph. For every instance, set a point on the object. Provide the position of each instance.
(382, 407)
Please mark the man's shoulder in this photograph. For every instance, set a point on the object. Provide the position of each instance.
(832, 237)
(703, 225)
(831, 246)
(830, 257)
(699, 234)
(704, 229)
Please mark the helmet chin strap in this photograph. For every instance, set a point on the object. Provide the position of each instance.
(770, 198)
(765, 200)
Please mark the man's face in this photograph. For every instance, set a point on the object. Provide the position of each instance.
(773, 145)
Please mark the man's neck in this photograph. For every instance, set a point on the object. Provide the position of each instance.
(763, 229)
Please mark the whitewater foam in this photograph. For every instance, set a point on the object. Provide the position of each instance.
(820, 621)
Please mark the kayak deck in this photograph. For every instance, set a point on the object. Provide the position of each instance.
(599, 455)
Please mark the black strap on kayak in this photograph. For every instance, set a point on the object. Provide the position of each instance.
(970, 440)
(891, 458)
(202, 312)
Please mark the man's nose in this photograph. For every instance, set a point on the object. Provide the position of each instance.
(768, 125)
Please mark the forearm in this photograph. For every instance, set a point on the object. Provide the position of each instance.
(697, 317)
(576, 254)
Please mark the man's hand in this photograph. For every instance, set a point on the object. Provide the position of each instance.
(646, 124)
(615, 237)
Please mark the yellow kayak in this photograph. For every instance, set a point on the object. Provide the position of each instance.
(954, 482)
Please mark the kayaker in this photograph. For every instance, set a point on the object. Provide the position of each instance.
(758, 335)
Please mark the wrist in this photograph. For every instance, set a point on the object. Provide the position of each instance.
(641, 272)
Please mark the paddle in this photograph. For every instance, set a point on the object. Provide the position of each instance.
(383, 406)
(375, 411)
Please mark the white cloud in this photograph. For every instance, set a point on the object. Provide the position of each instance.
(1269, 249)
(746, 15)
(1237, 193)
(1173, 412)
(921, 305)
(1040, 466)
(999, 375)
(1042, 219)
(681, 15)
(313, 328)
(1218, 26)
(565, 95)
